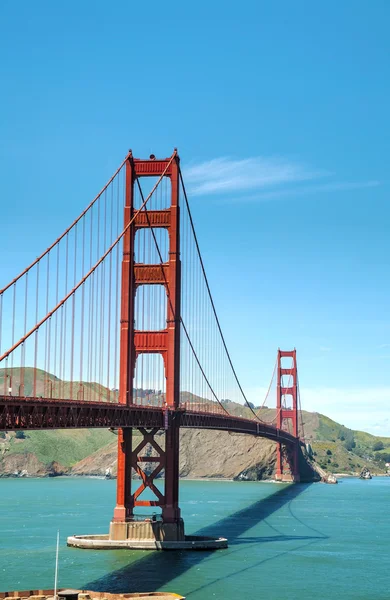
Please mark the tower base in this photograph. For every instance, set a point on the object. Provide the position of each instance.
(287, 478)
(146, 535)
(147, 530)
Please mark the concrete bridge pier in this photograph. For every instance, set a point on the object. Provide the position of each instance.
(157, 532)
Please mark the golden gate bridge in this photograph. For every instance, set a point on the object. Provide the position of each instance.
(114, 326)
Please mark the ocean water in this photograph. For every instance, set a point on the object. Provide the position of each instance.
(285, 541)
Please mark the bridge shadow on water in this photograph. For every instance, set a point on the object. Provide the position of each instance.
(154, 570)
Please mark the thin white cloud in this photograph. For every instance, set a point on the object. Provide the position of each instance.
(384, 346)
(228, 175)
(338, 186)
(325, 349)
(271, 177)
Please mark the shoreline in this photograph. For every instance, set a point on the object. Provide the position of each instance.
(356, 476)
(102, 477)
(226, 479)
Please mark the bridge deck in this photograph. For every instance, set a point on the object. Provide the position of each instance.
(43, 413)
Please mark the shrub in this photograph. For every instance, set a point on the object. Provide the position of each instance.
(329, 452)
(20, 435)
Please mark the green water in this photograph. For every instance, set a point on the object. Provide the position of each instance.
(285, 542)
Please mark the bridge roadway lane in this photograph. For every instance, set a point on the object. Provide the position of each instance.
(44, 413)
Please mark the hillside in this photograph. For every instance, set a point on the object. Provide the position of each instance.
(203, 453)
(339, 449)
(91, 452)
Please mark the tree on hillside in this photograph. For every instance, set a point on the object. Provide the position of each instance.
(349, 444)
(344, 433)
(378, 446)
(382, 457)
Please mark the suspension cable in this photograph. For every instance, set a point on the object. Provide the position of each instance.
(92, 270)
(212, 301)
(171, 306)
(267, 394)
(27, 269)
(300, 409)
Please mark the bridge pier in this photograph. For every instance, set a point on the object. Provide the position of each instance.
(148, 459)
(158, 532)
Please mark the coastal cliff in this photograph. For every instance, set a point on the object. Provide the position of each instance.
(203, 454)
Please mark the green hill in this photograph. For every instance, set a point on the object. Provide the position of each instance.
(66, 447)
(342, 450)
(336, 448)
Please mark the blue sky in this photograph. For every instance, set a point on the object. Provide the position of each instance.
(280, 114)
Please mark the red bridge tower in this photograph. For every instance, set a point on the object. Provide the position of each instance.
(287, 457)
(166, 343)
